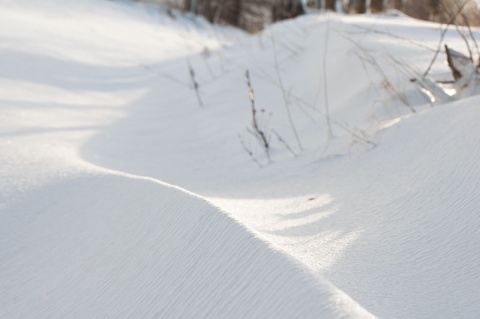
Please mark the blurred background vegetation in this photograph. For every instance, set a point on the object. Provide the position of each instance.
(254, 15)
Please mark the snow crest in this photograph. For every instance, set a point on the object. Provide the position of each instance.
(114, 246)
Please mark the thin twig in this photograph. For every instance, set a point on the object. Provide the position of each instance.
(285, 97)
(281, 140)
(396, 36)
(442, 36)
(460, 32)
(325, 85)
(249, 152)
(373, 62)
(471, 35)
(365, 140)
(258, 133)
(195, 84)
(164, 75)
(467, 44)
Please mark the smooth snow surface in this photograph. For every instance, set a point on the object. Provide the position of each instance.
(77, 241)
(99, 120)
(115, 246)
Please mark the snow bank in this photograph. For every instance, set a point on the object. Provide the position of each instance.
(396, 228)
(81, 82)
(77, 241)
(399, 231)
(113, 246)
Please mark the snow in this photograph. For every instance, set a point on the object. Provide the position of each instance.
(423, 265)
(101, 136)
(113, 245)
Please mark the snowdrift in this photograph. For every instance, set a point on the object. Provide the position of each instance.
(395, 226)
(113, 246)
(77, 241)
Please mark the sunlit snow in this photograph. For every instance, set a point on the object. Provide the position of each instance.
(121, 196)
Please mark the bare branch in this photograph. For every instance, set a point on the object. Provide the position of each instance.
(285, 97)
(281, 140)
(195, 84)
(442, 36)
(465, 19)
(249, 151)
(325, 85)
(257, 131)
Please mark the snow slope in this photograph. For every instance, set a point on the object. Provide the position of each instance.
(395, 226)
(80, 241)
(110, 245)
(94, 94)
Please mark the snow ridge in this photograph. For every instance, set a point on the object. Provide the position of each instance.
(115, 246)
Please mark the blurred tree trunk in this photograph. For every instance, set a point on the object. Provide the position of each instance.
(229, 11)
(191, 6)
(434, 9)
(347, 6)
(376, 6)
(398, 4)
(253, 15)
(218, 11)
(206, 8)
(187, 4)
(286, 9)
(330, 5)
(361, 6)
(416, 8)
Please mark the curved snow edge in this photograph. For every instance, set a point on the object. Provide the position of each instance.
(118, 246)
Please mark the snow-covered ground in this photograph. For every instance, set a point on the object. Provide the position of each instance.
(101, 132)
